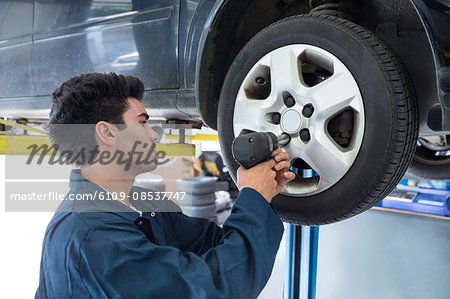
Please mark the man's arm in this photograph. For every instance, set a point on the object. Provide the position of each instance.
(198, 235)
(238, 267)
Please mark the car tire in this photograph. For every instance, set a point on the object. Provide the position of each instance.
(431, 162)
(208, 211)
(197, 199)
(154, 186)
(197, 185)
(386, 137)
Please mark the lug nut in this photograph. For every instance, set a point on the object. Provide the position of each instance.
(276, 118)
(304, 135)
(308, 110)
(260, 81)
(289, 101)
(251, 140)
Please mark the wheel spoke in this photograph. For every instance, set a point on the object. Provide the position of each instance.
(330, 162)
(250, 115)
(334, 95)
(327, 159)
(284, 72)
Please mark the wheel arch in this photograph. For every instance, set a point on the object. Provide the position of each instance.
(439, 46)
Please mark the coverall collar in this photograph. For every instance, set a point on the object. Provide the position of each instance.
(99, 201)
(138, 197)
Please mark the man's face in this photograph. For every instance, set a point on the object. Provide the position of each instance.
(138, 137)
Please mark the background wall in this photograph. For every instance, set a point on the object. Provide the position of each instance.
(387, 255)
(21, 237)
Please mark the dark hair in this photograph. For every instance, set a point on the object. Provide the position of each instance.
(85, 100)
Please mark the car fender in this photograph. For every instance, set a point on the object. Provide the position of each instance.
(440, 45)
(203, 20)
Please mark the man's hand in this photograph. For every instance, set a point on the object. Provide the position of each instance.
(268, 178)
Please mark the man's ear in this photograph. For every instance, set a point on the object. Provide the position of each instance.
(106, 133)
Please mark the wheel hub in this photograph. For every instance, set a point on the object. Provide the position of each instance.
(291, 121)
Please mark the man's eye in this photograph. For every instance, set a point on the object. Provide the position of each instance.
(144, 122)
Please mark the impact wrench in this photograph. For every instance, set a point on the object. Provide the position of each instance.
(253, 148)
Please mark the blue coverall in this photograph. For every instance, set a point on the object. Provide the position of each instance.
(104, 249)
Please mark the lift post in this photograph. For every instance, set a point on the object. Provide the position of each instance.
(301, 264)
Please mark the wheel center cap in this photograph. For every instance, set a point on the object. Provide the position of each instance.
(291, 121)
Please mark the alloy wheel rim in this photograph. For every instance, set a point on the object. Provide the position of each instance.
(301, 90)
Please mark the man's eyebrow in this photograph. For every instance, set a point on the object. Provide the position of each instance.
(144, 115)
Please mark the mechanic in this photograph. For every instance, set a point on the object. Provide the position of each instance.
(127, 248)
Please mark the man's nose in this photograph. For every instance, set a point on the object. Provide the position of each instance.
(155, 133)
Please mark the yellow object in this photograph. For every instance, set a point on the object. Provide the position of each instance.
(21, 127)
(197, 137)
(412, 183)
(212, 168)
(17, 145)
(176, 149)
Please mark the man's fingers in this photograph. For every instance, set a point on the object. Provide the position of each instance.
(271, 163)
(289, 175)
(283, 165)
(281, 156)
